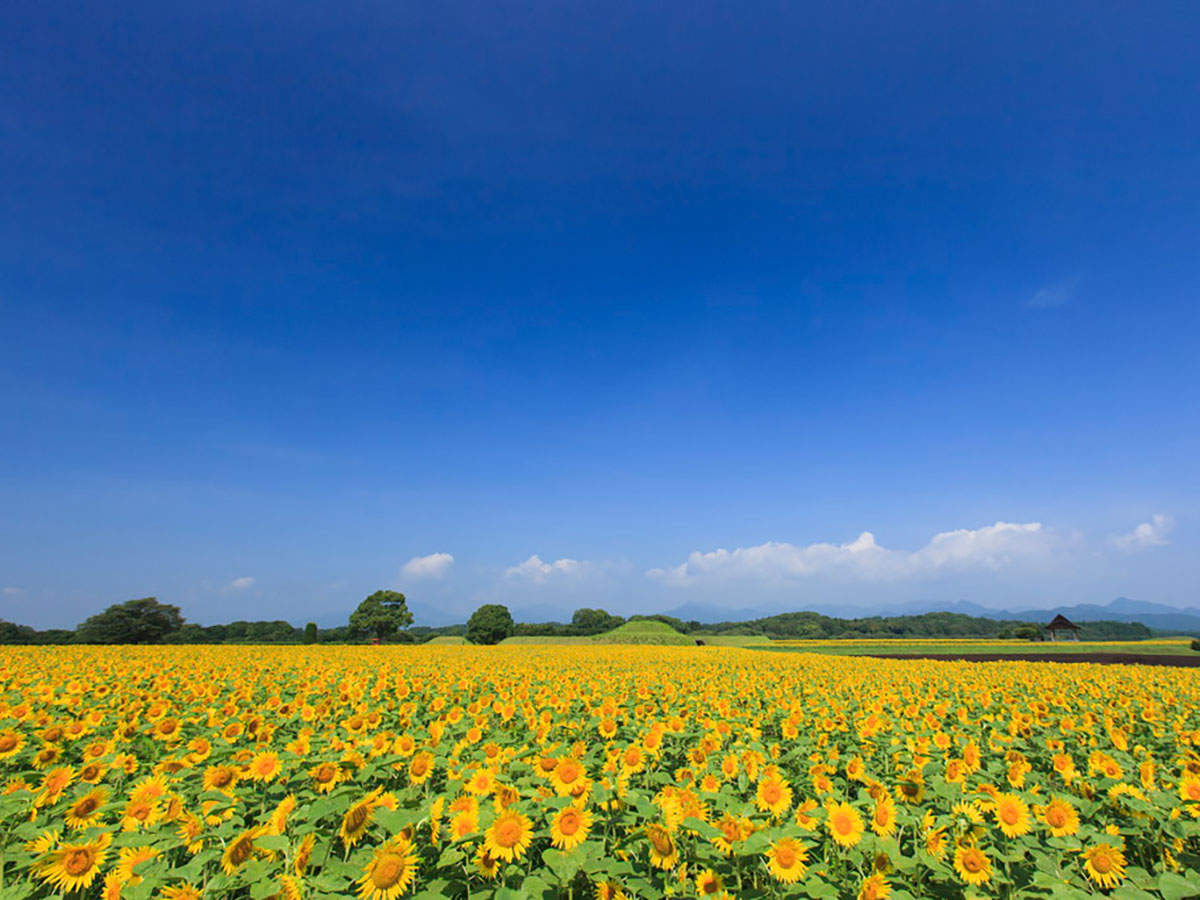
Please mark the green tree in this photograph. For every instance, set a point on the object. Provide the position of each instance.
(380, 615)
(1027, 633)
(594, 621)
(144, 621)
(490, 624)
(310, 633)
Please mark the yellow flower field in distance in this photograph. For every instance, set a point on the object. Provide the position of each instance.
(570, 771)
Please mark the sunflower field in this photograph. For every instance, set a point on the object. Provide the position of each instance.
(581, 772)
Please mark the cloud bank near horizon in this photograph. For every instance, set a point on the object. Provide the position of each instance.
(435, 565)
(992, 547)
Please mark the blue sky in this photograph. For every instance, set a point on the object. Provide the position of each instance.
(680, 299)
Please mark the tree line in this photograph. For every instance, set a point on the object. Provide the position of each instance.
(384, 617)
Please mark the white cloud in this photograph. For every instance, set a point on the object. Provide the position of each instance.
(1148, 534)
(12, 591)
(991, 547)
(1052, 295)
(240, 584)
(537, 571)
(435, 565)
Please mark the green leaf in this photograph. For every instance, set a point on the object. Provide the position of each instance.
(563, 865)
(818, 888)
(535, 886)
(1176, 887)
(1129, 892)
(272, 842)
(701, 827)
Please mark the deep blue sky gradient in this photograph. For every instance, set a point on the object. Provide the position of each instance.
(300, 291)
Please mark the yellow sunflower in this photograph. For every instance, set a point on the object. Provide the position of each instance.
(972, 865)
(663, 852)
(486, 864)
(357, 819)
(1012, 814)
(1060, 817)
(128, 859)
(420, 767)
(303, 854)
(390, 871)
(773, 795)
(508, 836)
(86, 810)
(845, 824)
(220, 778)
(265, 767)
(182, 891)
(72, 867)
(1104, 864)
(11, 743)
(883, 817)
(569, 827)
(787, 860)
(709, 884)
(875, 887)
(239, 851)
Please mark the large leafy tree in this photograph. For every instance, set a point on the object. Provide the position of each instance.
(594, 621)
(380, 615)
(144, 621)
(490, 624)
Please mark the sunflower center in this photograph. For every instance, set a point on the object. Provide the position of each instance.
(86, 806)
(1009, 815)
(1056, 817)
(569, 822)
(356, 818)
(509, 833)
(221, 778)
(240, 851)
(841, 823)
(79, 861)
(1102, 863)
(325, 774)
(771, 793)
(661, 841)
(567, 774)
(972, 861)
(785, 856)
(387, 870)
(420, 765)
(7, 742)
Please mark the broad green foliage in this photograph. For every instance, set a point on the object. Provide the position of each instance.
(381, 615)
(490, 624)
(245, 773)
(144, 621)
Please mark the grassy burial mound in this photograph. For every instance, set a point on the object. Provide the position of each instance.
(642, 631)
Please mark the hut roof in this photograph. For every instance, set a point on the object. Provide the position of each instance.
(1061, 622)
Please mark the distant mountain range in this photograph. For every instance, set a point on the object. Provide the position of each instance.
(1158, 616)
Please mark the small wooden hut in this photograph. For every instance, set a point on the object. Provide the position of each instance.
(1063, 629)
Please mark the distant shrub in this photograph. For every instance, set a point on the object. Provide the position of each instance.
(1196, 644)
